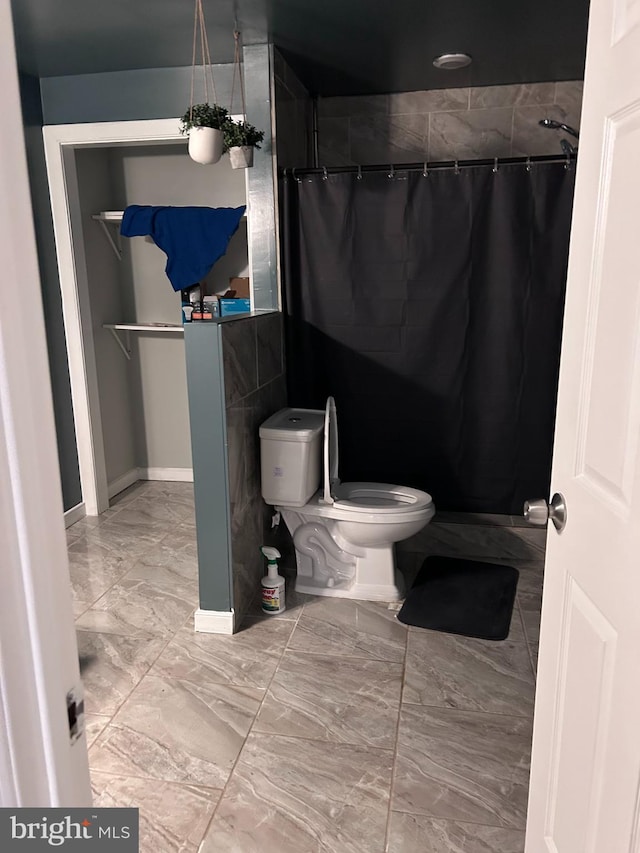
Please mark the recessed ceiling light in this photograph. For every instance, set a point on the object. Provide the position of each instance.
(451, 61)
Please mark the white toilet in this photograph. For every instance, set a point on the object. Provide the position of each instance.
(344, 532)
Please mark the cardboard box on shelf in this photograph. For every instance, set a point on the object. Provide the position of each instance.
(234, 306)
(241, 287)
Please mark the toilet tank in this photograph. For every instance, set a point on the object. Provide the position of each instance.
(291, 443)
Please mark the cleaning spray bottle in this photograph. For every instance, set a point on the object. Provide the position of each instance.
(273, 583)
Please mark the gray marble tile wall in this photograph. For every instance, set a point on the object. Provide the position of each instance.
(293, 117)
(254, 389)
(446, 124)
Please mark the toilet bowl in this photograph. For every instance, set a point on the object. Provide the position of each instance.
(343, 533)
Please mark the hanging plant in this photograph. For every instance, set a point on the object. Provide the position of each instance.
(240, 137)
(204, 115)
(204, 123)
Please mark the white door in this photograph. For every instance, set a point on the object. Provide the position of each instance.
(41, 762)
(584, 795)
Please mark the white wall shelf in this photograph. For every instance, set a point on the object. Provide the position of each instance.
(111, 217)
(162, 328)
(114, 217)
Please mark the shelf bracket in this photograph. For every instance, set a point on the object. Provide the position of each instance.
(112, 242)
(125, 349)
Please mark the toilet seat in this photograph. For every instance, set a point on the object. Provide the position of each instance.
(380, 498)
(369, 502)
(389, 506)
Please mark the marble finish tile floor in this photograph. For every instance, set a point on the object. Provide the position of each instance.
(331, 728)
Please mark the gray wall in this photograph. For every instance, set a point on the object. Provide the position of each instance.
(95, 187)
(126, 95)
(254, 389)
(446, 124)
(205, 378)
(51, 297)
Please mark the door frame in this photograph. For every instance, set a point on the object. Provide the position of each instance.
(60, 144)
(40, 764)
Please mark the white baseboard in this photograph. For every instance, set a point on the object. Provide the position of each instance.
(215, 621)
(74, 514)
(123, 482)
(177, 475)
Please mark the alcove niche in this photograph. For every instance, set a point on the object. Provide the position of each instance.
(122, 318)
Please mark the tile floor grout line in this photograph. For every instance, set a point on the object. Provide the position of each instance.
(327, 741)
(526, 636)
(249, 731)
(395, 747)
(534, 668)
(466, 821)
(251, 727)
(429, 632)
(337, 656)
(179, 782)
(139, 681)
(110, 589)
(116, 581)
(469, 710)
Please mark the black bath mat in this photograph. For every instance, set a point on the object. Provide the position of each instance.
(462, 597)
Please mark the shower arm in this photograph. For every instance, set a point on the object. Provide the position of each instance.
(552, 124)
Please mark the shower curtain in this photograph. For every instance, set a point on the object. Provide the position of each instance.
(431, 309)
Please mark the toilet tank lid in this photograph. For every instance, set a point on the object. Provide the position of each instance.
(293, 425)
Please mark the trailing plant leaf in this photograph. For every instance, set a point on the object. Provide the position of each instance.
(239, 133)
(205, 115)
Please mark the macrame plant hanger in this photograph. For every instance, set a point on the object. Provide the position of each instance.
(241, 156)
(206, 120)
(237, 72)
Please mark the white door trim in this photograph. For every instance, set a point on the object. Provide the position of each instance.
(60, 141)
(39, 766)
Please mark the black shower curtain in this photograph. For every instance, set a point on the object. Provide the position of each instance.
(431, 309)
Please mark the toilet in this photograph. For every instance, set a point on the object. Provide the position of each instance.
(343, 533)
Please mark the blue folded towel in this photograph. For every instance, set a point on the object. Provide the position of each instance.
(193, 238)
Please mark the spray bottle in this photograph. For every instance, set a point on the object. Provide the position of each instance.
(273, 583)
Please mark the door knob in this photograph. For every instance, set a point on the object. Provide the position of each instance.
(538, 511)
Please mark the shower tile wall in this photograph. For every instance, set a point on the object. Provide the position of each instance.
(446, 124)
(254, 388)
(293, 117)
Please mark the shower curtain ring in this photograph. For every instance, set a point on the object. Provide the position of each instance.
(392, 173)
(359, 175)
(495, 164)
(425, 170)
(293, 175)
(528, 164)
(567, 165)
(456, 167)
(324, 173)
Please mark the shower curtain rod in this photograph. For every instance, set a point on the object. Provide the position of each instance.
(427, 167)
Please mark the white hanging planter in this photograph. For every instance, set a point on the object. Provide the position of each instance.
(241, 156)
(205, 144)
